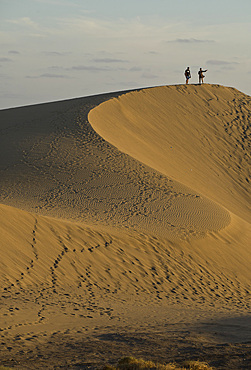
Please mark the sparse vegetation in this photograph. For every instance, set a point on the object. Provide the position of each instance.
(131, 363)
(196, 365)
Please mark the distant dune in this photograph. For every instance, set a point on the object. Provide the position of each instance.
(117, 203)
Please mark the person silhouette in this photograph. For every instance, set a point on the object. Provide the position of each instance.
(187, 74)
(201, 76)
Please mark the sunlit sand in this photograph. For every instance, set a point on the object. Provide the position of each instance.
(126, 216)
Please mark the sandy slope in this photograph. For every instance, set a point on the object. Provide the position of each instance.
(148, 229)
(197, 135)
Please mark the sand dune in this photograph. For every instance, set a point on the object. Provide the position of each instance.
(124, 210)
(196, 135)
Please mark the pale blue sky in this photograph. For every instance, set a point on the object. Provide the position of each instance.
(59, 49)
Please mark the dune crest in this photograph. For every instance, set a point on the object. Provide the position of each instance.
(57, 165)
(197, 135)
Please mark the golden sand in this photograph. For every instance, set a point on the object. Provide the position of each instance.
(139, 214)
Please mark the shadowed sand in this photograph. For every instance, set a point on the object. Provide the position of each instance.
(136, 221)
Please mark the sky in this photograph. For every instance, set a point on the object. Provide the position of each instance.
(60, 49)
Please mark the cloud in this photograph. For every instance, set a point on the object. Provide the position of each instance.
(90, 26)
(152, 52)
(49, 75)
(56, 53)
(13, 52)
(27, 27)
(90, 68)
(109, 60)
(62, 3)
(53, 75)
(149, 75)
(217, 62)
(5, 60)
(25, 21)
(117, 29)
(56, 68)
(191, 40)
(135, 69)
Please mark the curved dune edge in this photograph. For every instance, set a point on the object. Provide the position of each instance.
(196, 135)
(55, 164)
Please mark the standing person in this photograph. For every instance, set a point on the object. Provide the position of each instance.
(187, 75)
(201, 76)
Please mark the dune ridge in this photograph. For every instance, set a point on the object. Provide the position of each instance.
(59, 166)
(198, 135)
(127, 210)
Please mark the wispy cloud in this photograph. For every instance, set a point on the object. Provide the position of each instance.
(13, 52)
(62, 3)
(26, 26)
(56, 68)
(135, 69)
(57, 53)
(120, 28)
(5, 60)
(109, 60)
(217, 62)
(90, 68)
(49, 75)
(24, 21)
(191, 40)
(149, 75)
(152, 52)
